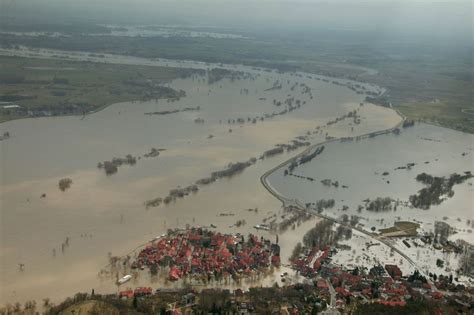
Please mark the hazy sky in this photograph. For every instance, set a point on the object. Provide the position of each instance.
(449, 18)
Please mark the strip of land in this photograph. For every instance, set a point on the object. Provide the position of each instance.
(49, 87)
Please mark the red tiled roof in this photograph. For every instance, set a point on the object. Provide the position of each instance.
(128, 294)
(392, 303)
(322, 284)
(343, 291)
(437, 295)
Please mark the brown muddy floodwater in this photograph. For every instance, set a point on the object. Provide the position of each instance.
(102, 215)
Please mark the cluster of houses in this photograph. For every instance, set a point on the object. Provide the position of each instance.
(202, 253)
(138, 292)
(331, 289)
(380, 284)
(185, 301)
(323, 295)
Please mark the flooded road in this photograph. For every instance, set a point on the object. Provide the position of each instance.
(102, 215)
(370, 168)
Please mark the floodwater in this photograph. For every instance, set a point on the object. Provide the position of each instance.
(138, 31)
(104, 215)
(164, 31)
(361, 165)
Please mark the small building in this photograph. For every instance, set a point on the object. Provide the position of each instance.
(142, 291)
(11, 106)
(437, 295)
(377, 271)
(12, 109)
(276, 261)
(394, 271)
(128, 294)
(393, 301)
(342, 292)
(322, 284)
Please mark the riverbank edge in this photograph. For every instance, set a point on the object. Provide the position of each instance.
(217, 65)
(98, 109)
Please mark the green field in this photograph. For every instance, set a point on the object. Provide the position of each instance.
(434, 91)
(43, 84)
(401, 228)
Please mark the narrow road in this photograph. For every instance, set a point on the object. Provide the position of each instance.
(331, 309)
(333, 295)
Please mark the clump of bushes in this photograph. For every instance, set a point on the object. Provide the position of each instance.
(65, 183)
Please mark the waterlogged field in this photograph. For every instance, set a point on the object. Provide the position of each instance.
(356, 172)
(369, 168)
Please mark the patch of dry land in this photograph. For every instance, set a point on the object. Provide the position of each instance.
(400, 228)
(57, 87)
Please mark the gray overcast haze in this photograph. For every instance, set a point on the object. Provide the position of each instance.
(434, 19)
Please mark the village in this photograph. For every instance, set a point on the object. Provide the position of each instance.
(207, 256)
(317, 282)
(328, 288)
(380, 284)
